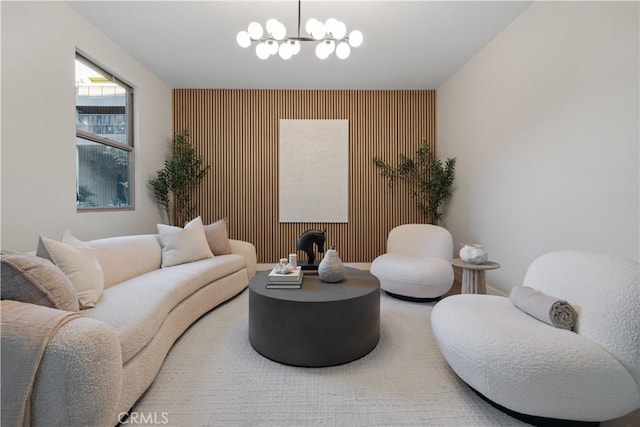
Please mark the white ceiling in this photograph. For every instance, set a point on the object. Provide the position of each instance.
(407, 44)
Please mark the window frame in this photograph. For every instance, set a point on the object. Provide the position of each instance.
(128, 146)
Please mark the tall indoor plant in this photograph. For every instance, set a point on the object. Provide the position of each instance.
(182, 173)
(430, 180)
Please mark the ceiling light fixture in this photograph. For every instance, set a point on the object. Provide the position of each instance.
(330, 36)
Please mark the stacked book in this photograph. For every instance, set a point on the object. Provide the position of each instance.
(291, 280)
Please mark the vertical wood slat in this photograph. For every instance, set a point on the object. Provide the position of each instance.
(237, 133)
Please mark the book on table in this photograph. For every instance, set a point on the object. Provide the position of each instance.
(292, 279)
(288, 285)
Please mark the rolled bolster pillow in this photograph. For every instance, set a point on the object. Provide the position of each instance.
(546, 308)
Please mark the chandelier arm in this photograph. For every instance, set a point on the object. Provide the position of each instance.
(302, 39)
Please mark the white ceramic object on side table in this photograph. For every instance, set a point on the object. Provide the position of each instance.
(473, 253)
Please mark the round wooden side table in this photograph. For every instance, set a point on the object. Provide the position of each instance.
(473, 275)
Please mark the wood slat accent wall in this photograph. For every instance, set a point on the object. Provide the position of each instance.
(237, 132)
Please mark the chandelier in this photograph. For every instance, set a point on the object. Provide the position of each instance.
(330, 36)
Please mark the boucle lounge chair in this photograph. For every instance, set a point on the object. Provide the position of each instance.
(417, 265)
(527, 366)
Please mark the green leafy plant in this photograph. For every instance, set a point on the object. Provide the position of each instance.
(83, 196)
(430, 180)
(181, 174)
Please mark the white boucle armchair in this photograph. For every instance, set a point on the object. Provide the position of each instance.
(417, 265)
(524, 365)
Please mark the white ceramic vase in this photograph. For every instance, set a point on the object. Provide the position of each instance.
(473, 254)
(331, 268)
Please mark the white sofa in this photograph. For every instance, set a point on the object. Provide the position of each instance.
(96, 367)
(534, 369)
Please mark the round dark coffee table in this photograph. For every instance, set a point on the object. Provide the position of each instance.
(320, 324)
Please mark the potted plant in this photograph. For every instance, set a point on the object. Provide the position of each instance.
(181, 174)
(430, 180)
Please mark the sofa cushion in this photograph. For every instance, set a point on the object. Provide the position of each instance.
(78, 262)
(218, 237)
(136, 308)
(182, 245)
(38, 281)
(115, 255)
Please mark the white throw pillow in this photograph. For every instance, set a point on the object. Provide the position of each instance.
(181, 245)
(79, 264)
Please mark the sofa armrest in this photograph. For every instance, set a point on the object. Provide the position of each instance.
(79, 381)
(248, 251)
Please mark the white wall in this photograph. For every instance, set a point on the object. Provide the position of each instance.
(39, 40)
(544, 125)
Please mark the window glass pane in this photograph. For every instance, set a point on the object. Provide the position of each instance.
(101, 104)
(103, 175)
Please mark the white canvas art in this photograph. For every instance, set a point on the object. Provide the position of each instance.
(313, 171)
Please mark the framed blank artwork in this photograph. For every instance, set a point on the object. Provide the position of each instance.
(313, 171)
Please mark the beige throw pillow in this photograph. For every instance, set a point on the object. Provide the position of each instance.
(182, 245)
(36, 280)
(218, 237)
(79, 263)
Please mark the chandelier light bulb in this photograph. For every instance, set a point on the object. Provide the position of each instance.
(276, 28)
(295, 46)
(310, 25)
(355, 38)
(318, 31)
(339, 30)
(244, 39)
(271, 25)
(255, 30)
(262, 50)
(322, 50)
(273, 47)
(285, 51)
(330, 26)
(330, 46)
(343, 50)
(282, 32)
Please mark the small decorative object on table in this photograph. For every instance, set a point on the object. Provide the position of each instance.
(473, 253)
(293, 261)
(331, 269)
(305, 243)
(282, 267)
(284, 277)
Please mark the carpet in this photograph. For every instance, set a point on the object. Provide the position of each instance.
(213, 377)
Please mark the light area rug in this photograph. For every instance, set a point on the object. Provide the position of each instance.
(213, 377)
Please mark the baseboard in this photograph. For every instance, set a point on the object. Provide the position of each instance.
(493, 291)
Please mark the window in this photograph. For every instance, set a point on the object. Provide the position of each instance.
(104, 139)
